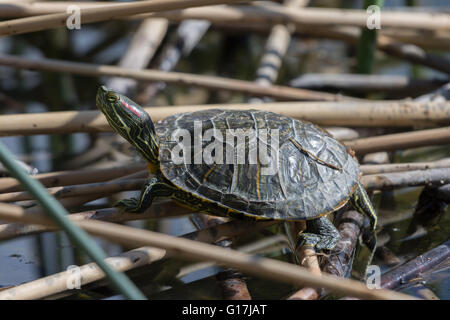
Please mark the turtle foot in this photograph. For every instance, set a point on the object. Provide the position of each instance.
(318, 242)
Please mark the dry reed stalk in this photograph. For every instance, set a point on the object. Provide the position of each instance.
(73, 177)
(367, 169)
(275, 48)
(411, 50)
(160, 209)
(79, 190)
(413, 268)
(405, 51)
(434, 41)
(305, 256)
(194, 250)
(256, 14)
(76, 201)
(144, 43)
(313, 17)
(397, 141)
(57, 283)
(230, 281)
(364, 82)
(97, 13)
(343, 133)
(308, 259)
(189, 33)
(389, 181)
(413, 54)
(431, 42)
(360, 114)
(210, 82)
(436, 176)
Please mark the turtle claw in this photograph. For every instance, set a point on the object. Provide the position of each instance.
(318, 242)
(129, 205)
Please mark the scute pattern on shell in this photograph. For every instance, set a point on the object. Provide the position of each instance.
(302, 188)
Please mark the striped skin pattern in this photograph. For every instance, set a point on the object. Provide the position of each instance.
(316, 175)
(120, 112)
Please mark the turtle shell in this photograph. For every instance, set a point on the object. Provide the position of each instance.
(311, 174)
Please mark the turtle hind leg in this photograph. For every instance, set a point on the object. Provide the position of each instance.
(320, 234)
(363, 205)
(154, 187)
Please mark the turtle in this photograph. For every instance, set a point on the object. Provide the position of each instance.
(303, 173)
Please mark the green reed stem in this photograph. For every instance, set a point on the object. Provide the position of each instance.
(367, 42)
(58, 213)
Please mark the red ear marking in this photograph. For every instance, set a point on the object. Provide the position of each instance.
(131, 108)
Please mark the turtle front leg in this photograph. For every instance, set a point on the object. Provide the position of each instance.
(154, 187)
(320, 234)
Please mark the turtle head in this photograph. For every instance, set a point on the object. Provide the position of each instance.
(131, 121)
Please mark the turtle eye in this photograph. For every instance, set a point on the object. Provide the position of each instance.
(111, 97)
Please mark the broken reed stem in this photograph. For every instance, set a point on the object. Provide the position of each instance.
(194, 250)
(186, 79)
(358, 114)
(308, 259)
(397, 141)
(305, 256)
(99, 13)
(261, 14)
(413, 268)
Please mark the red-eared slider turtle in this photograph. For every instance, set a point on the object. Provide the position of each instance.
(315, 174)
